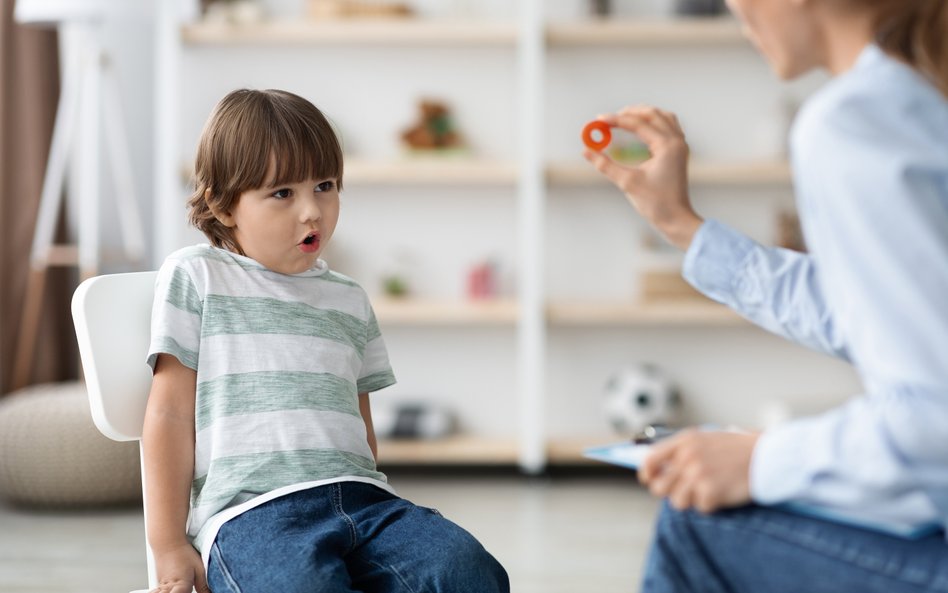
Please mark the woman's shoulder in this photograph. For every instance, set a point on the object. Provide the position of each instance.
(883, 108)
(882, 101)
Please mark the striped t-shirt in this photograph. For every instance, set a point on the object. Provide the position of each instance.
(280, 361)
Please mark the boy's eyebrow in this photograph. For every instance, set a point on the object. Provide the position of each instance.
(319, 178)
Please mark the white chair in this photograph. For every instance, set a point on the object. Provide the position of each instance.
(112, 315)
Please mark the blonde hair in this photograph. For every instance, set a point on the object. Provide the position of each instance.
(917, 32)
(250, 136)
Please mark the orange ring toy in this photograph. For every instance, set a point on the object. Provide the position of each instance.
(604, 131)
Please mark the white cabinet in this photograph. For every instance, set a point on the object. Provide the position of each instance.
(523, 371)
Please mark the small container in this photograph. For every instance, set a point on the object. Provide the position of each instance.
(699, 7)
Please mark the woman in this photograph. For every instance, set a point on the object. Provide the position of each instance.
(870, 161)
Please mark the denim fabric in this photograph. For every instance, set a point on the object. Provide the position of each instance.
(349, 536)
(757, 549)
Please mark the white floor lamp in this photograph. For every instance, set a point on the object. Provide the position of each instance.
(89, 89)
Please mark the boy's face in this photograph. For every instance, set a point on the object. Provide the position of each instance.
(286, 227)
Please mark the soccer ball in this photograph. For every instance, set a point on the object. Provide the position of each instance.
(638, 397)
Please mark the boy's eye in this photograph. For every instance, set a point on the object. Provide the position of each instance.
(325, 186)
(282, 193)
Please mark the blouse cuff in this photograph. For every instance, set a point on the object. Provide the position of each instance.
(713, 260)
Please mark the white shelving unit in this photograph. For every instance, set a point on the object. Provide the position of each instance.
(529, 314)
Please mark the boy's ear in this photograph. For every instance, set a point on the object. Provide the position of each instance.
(223, 217)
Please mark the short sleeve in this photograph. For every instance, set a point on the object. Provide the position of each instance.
(376, 369)
(175, 316)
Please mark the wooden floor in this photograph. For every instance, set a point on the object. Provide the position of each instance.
(564, 533)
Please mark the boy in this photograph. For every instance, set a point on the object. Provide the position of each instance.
(263, 361)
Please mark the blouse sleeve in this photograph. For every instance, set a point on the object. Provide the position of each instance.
(777, 289)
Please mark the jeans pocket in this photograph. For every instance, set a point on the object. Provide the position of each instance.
(219, 578)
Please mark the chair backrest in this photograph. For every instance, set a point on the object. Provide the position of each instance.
(112, 315)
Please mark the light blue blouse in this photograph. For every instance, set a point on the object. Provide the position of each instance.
(870, 161)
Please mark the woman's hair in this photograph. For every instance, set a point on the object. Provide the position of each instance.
(251, 139)
(917, 32)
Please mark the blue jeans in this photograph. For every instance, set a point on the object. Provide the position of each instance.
(349, 536)
(756, 549)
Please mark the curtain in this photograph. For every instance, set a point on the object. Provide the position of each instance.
(29, 73)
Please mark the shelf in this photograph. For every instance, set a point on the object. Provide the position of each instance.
(684, 312)
(467, 450)
(414, 32)
(703, 173)
(445, 313)
(430, 170)
(694, 31)
(357, 32)
(570, 450)
(458, 450)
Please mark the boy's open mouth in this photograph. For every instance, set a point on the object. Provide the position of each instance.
(310, 243)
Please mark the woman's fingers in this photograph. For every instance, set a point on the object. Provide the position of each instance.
(659, 459)
(658, 129)
(706, 470)
(646, 118)
(623, 177)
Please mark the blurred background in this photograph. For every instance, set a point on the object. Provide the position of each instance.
(528, 311)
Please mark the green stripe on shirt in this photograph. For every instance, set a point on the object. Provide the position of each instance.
(249, 315)
(268, 391)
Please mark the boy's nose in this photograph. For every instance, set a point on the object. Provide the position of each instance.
(310, 210)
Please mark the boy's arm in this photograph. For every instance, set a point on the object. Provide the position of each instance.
(366, 410)
(168, 451)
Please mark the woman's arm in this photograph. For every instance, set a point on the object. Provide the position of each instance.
(777, 289)
(774, 288)
(168, 452)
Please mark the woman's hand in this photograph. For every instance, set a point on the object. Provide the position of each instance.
(657, 187)
(707, 470)
(179, 570)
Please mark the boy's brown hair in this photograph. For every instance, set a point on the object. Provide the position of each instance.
(250, 136)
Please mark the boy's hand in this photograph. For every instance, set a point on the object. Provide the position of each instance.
(180, 570)
(707, 470)
(657, 187)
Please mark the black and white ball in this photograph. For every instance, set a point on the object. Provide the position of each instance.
(638, 397)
